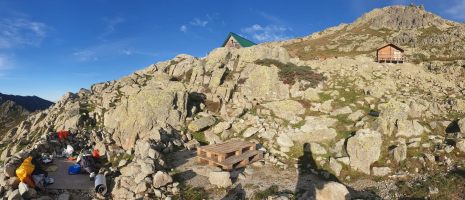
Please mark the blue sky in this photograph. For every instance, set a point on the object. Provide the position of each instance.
(50, 47)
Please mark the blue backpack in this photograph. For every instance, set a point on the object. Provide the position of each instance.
(74, 169)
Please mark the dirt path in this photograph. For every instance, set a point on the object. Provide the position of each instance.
(69, 182)
(258, 178)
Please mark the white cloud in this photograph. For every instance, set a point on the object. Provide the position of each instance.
(108, 50)
(198, 22)
(267, 33)
(111, 23)
(127, 52)
(271, 18)
(6, 63)
(183, 28)
(86, 55)
(456, 10)
(21, 31)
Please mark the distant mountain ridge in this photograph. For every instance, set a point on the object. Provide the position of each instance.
(15, 108)
(425, 36)
(30, 103)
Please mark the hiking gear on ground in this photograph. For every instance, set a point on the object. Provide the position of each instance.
(49, 181)
(100, 184)
(74, 169)
(87, 163)
(39, 180)
(68, 151)
(92, 176)
(96, 153)
(62, 135)
(25, 169)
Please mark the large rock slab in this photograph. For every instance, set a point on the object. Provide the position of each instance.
(201, 123)
(161, 179)
(391, 112)
(355, 116)
(284, 141)
(400, 152)
(409, 128)
(10, 170)
(160, 103)
(332, 191)
(316, 129)
(341, 111)
(461, 145)
(381, 171)
(250, 131)
(311, 94)
(220, 179)
(286, 109)
(335, 166)
(263, 84)
(461, 124)
(364, 148)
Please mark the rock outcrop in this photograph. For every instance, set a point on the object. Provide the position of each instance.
(364, 148)
(351, 113)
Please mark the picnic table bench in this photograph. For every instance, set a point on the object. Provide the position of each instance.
(229, 155)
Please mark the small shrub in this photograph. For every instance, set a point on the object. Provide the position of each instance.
(241, 80)
(188, 75)
(192, 193)
(289, 73)
(200, 137)
(212, 106)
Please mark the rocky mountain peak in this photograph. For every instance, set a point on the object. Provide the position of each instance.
(30, 103)
(401, 18)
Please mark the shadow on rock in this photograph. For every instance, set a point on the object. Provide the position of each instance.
(236, 193)
(184, 176)
(453, 127)
(176, 159)
(314, 183)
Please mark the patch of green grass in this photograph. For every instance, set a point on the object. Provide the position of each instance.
(343, 123)
(450, 186)
(296, 151)
(344, 134)
(299, 124)
(21, 146)
(200, 137)
(454, 115)
(114, 161)
(325, 96)
(253, 111)
(192, 193)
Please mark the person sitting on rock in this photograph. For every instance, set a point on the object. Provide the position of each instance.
(87, 162)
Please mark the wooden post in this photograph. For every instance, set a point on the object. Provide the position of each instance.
(238, 152)
(221, 157)
(253, 147)
(244, 162)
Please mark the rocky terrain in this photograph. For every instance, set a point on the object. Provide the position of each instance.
(14, 109)
(333, 128)
(425, 36)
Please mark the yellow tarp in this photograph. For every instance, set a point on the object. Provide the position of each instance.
(25, 169)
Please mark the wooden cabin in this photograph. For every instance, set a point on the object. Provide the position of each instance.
(390, 53)
(235, 41)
